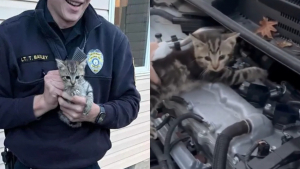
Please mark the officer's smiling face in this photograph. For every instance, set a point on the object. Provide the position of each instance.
(67, 11)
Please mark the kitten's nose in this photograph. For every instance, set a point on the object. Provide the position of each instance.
(215, 67)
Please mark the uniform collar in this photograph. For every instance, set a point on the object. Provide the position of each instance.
(90, 17)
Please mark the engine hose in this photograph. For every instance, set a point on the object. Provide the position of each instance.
(167, 146)
(158, 153)
(179, 100)
(177, 141)
(223, 141)
(165, 121)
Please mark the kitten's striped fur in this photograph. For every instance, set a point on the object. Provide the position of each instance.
(205, 61)
(72, 73)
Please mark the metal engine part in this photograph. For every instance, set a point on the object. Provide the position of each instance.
(220, 106)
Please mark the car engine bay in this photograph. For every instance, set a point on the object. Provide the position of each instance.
(249, 126)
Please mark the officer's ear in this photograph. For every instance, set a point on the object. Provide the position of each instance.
(83, 63)
(60, 63)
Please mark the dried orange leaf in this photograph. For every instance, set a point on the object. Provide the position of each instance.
(284, 44)
(266, 28)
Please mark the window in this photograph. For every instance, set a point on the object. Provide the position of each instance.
(132, 17)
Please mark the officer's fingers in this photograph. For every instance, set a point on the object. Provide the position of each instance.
(58, 92)
(56, 79)
(68, 113)
(73, 107)
(63, 103)
(79, 100)
(73, 116)
(78, 108)
(58, 85)
(53, 91)
(53, 76)
(66, 96)
(49, 79)
(53, 72)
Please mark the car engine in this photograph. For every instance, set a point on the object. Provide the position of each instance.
(220, 106)
(249, 126)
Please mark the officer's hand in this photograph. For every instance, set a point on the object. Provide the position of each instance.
(74, 110)
(53, 89)
(49, 99)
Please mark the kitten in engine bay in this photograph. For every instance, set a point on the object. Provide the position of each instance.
(72, 73)
(204, 62)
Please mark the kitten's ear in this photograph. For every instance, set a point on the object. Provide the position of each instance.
(60, 63)
(228, 42)
(83, 62)
(196, 42)
(230, 38)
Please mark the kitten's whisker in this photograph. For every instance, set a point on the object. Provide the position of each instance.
(192, 61)
(205, 71)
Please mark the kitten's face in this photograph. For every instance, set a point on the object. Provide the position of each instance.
(212, 50)
(71, 72)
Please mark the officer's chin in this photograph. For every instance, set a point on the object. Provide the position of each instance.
(72, 18)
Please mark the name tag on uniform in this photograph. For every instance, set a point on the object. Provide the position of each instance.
(34, 58)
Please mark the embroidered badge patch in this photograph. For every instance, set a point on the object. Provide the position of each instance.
(95, 60)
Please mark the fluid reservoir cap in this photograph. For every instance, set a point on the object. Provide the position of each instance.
(263, 149)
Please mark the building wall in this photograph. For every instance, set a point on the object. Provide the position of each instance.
(130, 145)
(135, 25)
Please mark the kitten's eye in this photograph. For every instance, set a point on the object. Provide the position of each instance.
(77, 77)
(207, 58)
(68, 77)
(222, 57)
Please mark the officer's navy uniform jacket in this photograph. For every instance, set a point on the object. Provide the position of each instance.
(28, 47)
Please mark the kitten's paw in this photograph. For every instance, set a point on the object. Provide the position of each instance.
(262, 74)
(87, 108)
(85, 113)
(255, 73)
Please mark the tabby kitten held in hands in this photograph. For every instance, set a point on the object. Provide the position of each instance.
(72, 73)
(204, 61)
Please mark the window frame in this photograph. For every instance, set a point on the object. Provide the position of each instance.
(140, 69)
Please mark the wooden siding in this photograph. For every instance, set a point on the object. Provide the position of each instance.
(130, 145)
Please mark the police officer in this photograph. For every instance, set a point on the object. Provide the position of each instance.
(31, 88)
